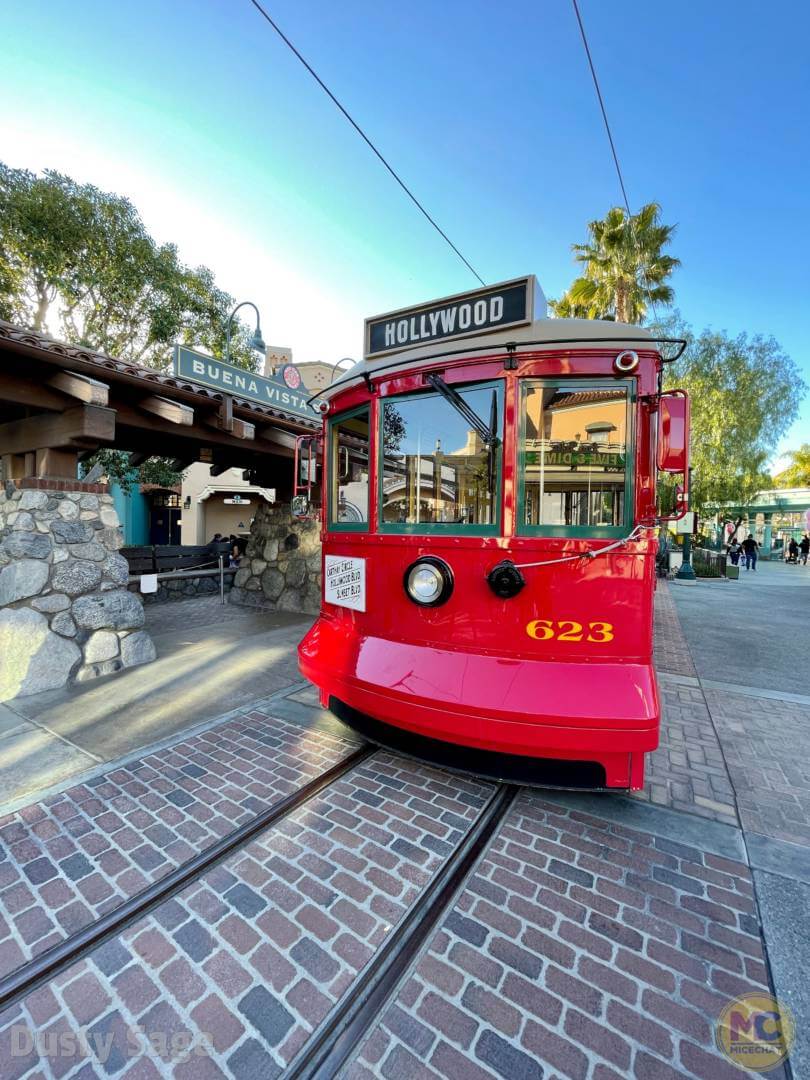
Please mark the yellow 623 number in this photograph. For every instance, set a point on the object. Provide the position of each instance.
(567, 630)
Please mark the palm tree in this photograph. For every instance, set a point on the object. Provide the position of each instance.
(625, 268)
(797, 474)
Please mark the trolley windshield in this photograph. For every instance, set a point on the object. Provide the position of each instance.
(440, 460)
(576, 464)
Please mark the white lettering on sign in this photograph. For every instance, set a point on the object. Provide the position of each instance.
(486, 312)
(344, 582)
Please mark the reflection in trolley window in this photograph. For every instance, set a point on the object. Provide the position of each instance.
(576, 459)
(438, 472)
(348, 488)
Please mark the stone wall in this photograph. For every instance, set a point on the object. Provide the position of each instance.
(65, 612)
(184, 587)
(282, 563)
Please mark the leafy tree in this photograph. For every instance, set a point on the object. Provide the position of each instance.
(744, 394)
(115, 465)
(797, 474)
(80, 261)
(625, 267)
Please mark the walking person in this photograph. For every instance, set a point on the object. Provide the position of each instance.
(793, 551)
(734, 552)
(750, 548)
(804, 547)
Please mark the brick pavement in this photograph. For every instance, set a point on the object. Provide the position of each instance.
(669, 644)
(258, 950)
(78, 854)
(578, 949)
(688, 771)
(764, 743)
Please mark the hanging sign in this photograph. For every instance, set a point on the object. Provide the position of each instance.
(497, 307)
(273, 390)
(344, 582)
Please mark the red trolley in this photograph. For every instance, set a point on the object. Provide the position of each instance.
(489, 545)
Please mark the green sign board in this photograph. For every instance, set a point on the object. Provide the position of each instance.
(284, 391)
(572, 458)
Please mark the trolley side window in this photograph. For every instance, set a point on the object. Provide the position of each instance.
(348, 471)
(438, 473)
(576, 459)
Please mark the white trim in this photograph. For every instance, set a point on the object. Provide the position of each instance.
(234, 489)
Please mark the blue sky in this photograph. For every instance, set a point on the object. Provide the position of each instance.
(197, 112)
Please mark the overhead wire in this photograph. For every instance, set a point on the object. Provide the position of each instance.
(366, 139)
(615, 157)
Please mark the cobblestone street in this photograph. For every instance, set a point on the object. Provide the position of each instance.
(597, 937)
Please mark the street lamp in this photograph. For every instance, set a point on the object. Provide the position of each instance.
(335, 367)
(256, 342)
(686, 572)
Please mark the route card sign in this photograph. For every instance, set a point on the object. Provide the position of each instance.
(497, 307)
(344, 582)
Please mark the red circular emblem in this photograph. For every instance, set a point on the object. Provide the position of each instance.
(291, 376)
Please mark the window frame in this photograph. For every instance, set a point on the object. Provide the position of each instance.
(334, 421)
(443, 528)
(592, 532)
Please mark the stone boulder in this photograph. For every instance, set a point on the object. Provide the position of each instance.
(71, 532)
(22, 579)
(111, 610)
(27, 545)
(137, 648)
(34, 658)
(102, 645)
(76, 577)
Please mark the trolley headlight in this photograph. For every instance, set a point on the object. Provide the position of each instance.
(429, 582)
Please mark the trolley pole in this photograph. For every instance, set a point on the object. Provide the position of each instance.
(222, 578)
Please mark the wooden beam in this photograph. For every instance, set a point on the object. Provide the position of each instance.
(13, 466)
(32, 393)
(277, 436)
(224, 420)
(62, 464)
(218, 470)
(167, 409)
(161, 432)
(82, 427)
(82, 387)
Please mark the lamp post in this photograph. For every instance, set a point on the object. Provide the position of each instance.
(336, 366)
(256, 342)
(686, 572)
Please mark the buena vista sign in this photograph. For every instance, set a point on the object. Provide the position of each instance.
(274, 391)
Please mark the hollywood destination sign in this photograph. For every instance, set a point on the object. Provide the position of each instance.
(513, 303)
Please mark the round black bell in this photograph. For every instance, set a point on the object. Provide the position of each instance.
(505, 579)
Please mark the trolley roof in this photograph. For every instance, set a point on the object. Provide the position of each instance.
(541, 334)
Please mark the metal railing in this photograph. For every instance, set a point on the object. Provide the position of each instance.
(192, 571)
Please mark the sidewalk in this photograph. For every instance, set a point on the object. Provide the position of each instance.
(212, 659)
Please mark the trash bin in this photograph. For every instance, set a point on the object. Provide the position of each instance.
(732, 572)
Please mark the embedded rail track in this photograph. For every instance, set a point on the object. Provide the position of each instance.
(61, 956)
(332, 1042)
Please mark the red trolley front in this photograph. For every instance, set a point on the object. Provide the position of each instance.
(489, 549)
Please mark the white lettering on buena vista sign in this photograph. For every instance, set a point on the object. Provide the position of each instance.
(268, 390)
